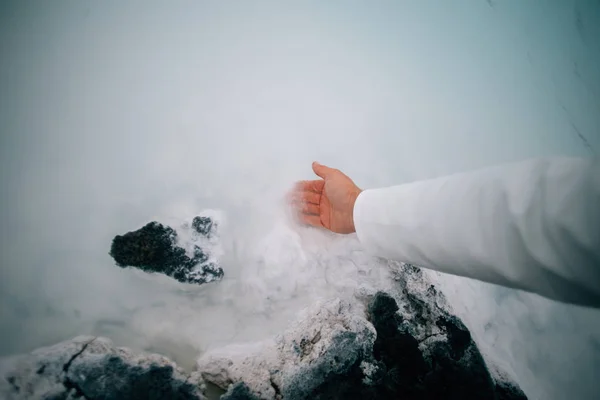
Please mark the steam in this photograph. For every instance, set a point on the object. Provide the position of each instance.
(113, 115)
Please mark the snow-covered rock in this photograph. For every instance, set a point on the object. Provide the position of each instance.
(91, 367)
(328, 340)
(404, 344)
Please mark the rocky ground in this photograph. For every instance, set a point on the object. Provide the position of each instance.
(400, 344)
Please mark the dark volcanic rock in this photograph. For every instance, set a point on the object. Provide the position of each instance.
(407, 346)
(509, 391)
(203, 225)
(239, 391)
(396, 349)
(153, 248)
(453, 370)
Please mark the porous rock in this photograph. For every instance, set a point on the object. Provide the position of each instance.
(154, 249)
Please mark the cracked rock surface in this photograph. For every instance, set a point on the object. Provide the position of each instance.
(89, 367)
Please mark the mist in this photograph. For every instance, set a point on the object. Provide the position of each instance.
(113, 114)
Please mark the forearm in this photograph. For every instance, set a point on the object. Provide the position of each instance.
(531, 225)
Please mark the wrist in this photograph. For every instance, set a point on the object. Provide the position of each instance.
(353, 197)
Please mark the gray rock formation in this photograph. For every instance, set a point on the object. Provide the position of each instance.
(401, 345)
(88, 367)
(327, 341)
(154, 248)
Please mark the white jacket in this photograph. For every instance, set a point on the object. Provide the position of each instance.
(534, 225)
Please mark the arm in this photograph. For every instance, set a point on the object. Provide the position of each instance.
(533, 225)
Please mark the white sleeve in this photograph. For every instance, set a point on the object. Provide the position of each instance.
(534, 226)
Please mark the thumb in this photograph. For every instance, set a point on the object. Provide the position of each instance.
(321, 170)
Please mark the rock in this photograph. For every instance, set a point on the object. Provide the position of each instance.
(400, 344)
(329, 341)
(203, 225)
(404, 344)
(154, 248)
(509, 391)
(505, 386)
(239, 391)
(323, 352)
(90, 367)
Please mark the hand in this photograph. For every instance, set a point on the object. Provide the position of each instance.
(327, 202)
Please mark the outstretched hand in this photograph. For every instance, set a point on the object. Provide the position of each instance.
(327, 202)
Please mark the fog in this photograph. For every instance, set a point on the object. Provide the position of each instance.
(115, 113)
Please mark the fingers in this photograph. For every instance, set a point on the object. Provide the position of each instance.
(305, 197)
(304, 202)
(307, 213)
(312, 220)
(309, 186)
(307, 208)
(322, 170)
